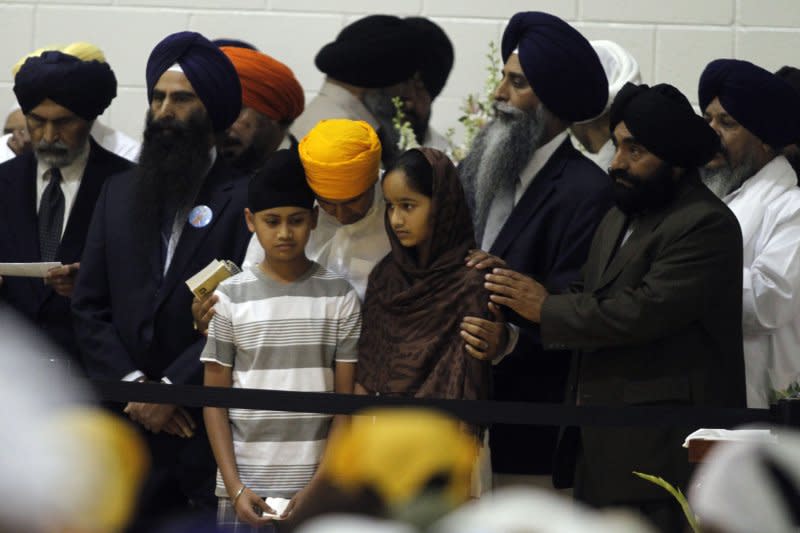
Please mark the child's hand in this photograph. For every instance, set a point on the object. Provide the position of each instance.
(296, 500)
(203, 312)
(249, 509)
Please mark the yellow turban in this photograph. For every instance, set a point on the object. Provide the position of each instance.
(397, 452)
(82, 50)
(341, 158)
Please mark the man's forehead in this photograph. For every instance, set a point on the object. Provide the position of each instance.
(174, 81)
(49, 109)
(513, 66)
(715, 107)
(622, 134)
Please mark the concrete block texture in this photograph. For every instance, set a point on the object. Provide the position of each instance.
(719, 12)
(774, 13)
(672, 40)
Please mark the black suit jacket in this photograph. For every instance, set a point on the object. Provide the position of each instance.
(658, 321)
(19, 237)
(128, 316)
(547, 237)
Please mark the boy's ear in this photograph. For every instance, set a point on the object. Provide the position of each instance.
(248, 217)
(314, 216)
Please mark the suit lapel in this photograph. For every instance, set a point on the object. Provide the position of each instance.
(535, 195)
(83, 208)
(22, 209)
(635, 244)
(216, 195)
(606, 246)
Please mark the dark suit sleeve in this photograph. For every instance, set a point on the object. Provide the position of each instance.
(673, 293)
(575, 242)
(185, 368)
(102, 350)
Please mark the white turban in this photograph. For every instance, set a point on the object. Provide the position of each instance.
(532, 509)
(750, 486)
(619, 65)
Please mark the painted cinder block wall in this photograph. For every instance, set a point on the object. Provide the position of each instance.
(671, 39)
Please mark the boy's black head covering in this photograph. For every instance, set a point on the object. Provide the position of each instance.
(281, 182)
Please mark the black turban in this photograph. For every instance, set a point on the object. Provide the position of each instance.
(234, 43)
(84, 87)
(437, 57)
(281, 182)
(759, 100)
(209, 71)
(663, 121)
(559, 63)
(373, 52)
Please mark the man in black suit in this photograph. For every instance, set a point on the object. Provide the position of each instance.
(536, 202)
(657, 319)
(47, 195)
(153, 228)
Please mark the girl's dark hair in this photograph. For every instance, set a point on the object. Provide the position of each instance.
(417, 169)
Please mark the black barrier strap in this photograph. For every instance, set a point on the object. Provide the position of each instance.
(473, 411)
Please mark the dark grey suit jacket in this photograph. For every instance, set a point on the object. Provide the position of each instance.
(658, 321)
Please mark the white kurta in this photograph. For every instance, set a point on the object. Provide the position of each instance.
(350, 250)
(768, 209)
(115, 141)
(6, 153)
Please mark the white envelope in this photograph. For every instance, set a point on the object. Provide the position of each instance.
(28, 270)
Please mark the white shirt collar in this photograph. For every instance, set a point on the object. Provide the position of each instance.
(538, 161)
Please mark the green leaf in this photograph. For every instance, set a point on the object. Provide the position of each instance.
(677, 494)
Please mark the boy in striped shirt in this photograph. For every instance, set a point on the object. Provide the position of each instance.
(288, 324)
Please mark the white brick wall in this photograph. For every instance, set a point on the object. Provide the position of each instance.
(672, 39)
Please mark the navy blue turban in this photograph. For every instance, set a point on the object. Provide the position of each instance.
(209, 71)
(760, 101)
(84, 87)
(438, 55)
(559, 63)
(663, 121)
(373, 52)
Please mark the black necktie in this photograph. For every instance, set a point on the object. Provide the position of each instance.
(51, 216)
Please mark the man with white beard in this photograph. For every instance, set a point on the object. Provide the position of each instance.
(756, 114)
(536, 202)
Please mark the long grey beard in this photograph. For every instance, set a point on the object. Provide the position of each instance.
(724, 180)
(499, 154)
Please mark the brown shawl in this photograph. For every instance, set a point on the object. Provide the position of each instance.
(410, 343)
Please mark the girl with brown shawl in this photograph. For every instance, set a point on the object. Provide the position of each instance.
(419, 293)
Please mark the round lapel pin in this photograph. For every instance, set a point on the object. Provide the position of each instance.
(200, 216)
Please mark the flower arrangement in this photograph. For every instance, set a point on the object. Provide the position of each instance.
(477, 108)
(407, 139)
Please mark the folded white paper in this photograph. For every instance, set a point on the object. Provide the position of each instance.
(730, 435)
(28, 270)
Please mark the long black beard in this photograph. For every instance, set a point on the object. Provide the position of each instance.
(647, 193)
(172, 165)
(499, 153)
(382, 108)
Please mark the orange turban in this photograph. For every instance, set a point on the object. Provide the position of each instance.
(341, 158)
(268, 86)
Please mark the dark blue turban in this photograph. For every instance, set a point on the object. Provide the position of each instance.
(759, 100)
(373, 52)
(84, 87)
(663, 121)
(209, 71)
(559, 63)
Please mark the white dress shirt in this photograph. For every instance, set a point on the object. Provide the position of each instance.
(70, 183)
(768, 209)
